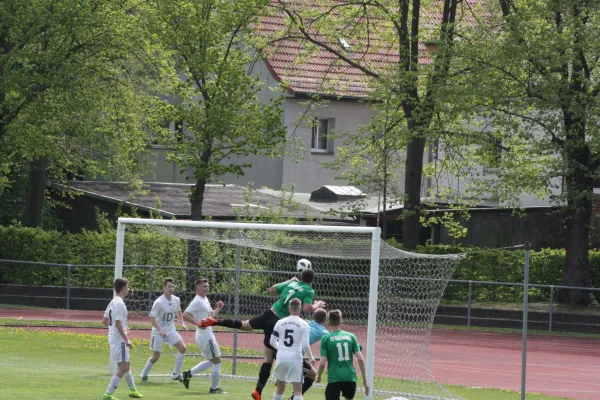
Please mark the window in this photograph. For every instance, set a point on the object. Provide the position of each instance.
(175, 127)
(322, 138)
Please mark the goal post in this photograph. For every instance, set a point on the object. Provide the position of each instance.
(391, 315)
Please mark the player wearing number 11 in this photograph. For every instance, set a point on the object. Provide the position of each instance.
(337, 349)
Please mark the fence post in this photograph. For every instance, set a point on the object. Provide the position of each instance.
(229, 293)
(150, 286)
(68, 286)
(525, 319)
(236, 307)
(469, 303)
(551, 308)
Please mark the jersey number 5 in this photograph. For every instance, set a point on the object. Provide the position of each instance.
(288, 338)
(343, 353)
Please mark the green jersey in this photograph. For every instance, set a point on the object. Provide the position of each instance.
(339, 348)
(292, 290)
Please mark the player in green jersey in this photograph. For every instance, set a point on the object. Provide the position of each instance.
(338, 349)
(292, 289)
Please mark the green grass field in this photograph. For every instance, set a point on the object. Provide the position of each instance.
(59, 365)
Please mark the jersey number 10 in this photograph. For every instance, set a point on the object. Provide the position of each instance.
(343, 353)
(168, 317)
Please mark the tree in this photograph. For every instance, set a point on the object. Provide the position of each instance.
(70, 98)
(216, 98)
(387, 44)
(533, 78)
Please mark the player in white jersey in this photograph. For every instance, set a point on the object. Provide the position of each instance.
(162, 318)
(197, 310)
(118, 341)
(290, 337)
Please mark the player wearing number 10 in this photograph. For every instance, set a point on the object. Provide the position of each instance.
(338, 348)
(288, 290)
(162, 318)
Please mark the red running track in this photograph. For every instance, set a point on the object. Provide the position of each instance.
(558, 366)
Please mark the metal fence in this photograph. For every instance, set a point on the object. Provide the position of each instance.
(69, 281)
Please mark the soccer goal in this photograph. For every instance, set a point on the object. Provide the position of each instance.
(388, 297)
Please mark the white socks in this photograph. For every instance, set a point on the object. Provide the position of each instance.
(277, 396)
(178, 363)
(129, 379)
(215, 374)
(203, 366)
(147, 368)
(297, 398)
(113, 385)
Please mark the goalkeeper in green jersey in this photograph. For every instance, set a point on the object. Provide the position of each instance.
(338, 348)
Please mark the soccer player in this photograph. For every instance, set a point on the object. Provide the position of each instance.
(162, 318)
(197, 310)
(338, 348)
(119, 341)
(290, 337)
(288, 290)
(317, 331)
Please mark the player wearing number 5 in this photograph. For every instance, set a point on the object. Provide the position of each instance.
(290, 337)
(337, 349)
(162, 318)
(288, 290)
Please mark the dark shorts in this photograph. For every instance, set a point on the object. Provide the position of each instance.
(346, 389)
(266, 321)
(306, 367)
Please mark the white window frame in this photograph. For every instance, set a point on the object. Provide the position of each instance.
(315, 134)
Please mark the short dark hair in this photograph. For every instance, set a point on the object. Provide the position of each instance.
(119, 284)
(167, 280)
(200, 280)
(307, 276)
(335, 317)
(320, 316)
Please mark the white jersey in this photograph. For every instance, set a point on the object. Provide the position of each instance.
(200, 308)
(164, 310)
(292, 334)
(116, 311)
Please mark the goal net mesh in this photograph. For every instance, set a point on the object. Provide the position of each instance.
(242, 264)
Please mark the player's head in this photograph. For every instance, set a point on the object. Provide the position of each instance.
(319, 316)
(201, 286)
(121, 287)
(168, 286)
(307, 276)
(335, 318)
(295, 307)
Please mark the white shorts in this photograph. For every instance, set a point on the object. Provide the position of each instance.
(119, 352)
(288, 371)
(156, 341)
(209, 348)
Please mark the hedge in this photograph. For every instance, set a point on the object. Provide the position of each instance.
(95, 247)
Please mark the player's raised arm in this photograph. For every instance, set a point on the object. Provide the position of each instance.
(277, 288)
(217, 309)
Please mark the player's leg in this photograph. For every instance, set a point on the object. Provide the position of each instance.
(297, 377)
(310, 374)
(333, 391)
(121, 355)
(348, 390)
(232, 323)
(267, 321)
(215, 372)
(280, 389)
(156, 345)
(174, 339)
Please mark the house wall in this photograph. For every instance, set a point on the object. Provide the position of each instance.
(304, 168)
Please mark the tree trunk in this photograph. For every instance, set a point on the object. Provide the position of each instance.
(412, 189)
(34, 197)
(194, 249)
(576, 271)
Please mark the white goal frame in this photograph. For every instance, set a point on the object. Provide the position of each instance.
(373, 275)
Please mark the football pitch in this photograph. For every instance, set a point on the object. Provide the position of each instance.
(48, 365)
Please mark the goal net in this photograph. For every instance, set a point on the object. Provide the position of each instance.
(388, 297)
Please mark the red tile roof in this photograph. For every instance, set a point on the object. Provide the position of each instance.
(320, 71)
